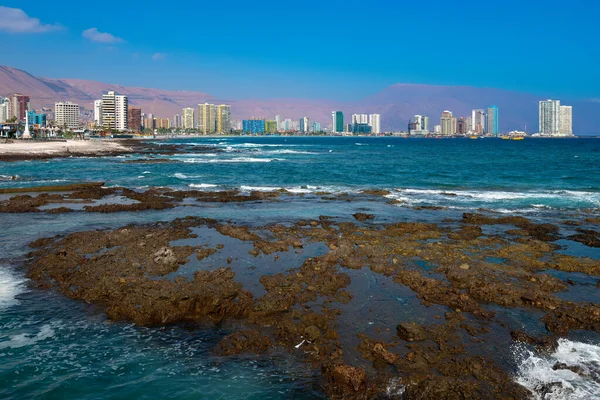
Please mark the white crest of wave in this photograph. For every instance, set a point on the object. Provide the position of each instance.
(202, 185)
(179, 175)
(233, 160)
(25, 339)
(551, 376)
(10, 286)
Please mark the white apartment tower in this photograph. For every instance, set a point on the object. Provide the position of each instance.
(207, 115)
(375, 123)
(114, 113)
(477, 122)
(121, 113)
(66, 115)
(566, 120)
(188, 118)
(360, 119)
(4, 109)
(549, 117)
(98, 112)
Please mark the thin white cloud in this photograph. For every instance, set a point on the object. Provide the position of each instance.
(159, 56)
(96, 36)
(15, 20)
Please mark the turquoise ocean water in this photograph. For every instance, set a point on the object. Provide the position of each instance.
(52, 347)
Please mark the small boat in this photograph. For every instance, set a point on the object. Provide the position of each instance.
(474, 137)
(505, 137)
(517, 138)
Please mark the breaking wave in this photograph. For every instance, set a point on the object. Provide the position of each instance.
(10, 286)
(570, 372)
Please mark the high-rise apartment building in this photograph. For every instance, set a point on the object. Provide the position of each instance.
(375, 123)
(134, 118)
(66, 115)
(316, 127)
(337, 125)
(98, 112)
(491, 119)
(448, 123)
(278, 120)
(18, 106)
(271, 126)
(188, 118)
(115, 111)
(253, 126)
(207, 115)
(177, 121)
(4, 109)
(478, 122)
(462, 126)
(566, 120)
(224, 118)
(304, 127)
(360, 119)
(549, 117)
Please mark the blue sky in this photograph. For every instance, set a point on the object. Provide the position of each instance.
(342, 50)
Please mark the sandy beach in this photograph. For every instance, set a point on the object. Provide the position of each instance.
(16, 149)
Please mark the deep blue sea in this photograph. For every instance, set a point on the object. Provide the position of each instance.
(53, 347)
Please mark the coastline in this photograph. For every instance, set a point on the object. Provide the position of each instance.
(17, 150)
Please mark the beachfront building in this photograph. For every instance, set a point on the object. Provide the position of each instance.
(177, 121)
(375, 123)
(18, 106)
(223, 118)
(304, 125)
(491, 127)
(360, 119)
(566, 120)
(114, 111)
(98, 112)
(66, 115)
(316, 127)
(462, 126)
(278, 120)
(35, 118)
(337, 125)
(134, 119)
(549, 117)
(207, 115)
(162, 123)
(477, 122)
(448, 124)
(270, 126)
(188, 118)
(253, 126)
(4, 109)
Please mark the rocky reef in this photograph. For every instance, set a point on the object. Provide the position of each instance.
(460, 272)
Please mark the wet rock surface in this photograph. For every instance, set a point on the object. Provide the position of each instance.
(133, 274)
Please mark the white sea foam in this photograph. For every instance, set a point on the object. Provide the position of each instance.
(179, 175)
(535, 199)
(11, 285)
(9, 177)
(233, 160)
(536, 371)
(25, 339)
(202, 185)
(287, 151)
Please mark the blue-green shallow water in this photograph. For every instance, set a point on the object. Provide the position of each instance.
(51, 347)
